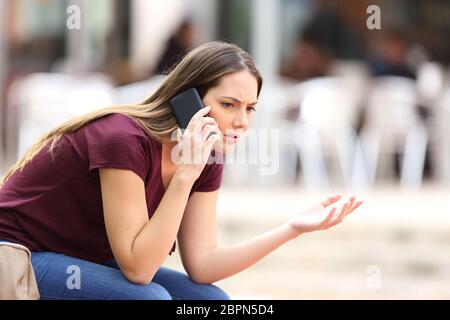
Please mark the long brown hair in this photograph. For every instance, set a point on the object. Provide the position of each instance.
(201, 68)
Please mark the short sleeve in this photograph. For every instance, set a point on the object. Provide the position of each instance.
(120, 150)
(212, 179)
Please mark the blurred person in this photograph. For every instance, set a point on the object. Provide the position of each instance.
(176, 47)
(389, 54)
(331, 23)
(103, 191)
(324, 38)
(116, 63)
(310, 58)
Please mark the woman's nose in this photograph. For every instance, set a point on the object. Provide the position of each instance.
(241, 121)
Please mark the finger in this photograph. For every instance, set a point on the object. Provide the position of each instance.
(348, 209)
(209, 130)
(211, 118)
(198, 140)
(344, 213)
(341, 214)
(211, 139)
(351, 202)
(355, 206)
(179, 135)
(201, 123)
(200, 114)
(209, 145)
(331, 200)
(352, 207)
(328, 218)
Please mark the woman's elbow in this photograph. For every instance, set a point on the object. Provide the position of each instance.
(198, 277)
(138, 277)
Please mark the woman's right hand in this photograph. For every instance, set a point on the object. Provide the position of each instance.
(195, 144)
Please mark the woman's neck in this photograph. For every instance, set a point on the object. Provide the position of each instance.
(166, 153)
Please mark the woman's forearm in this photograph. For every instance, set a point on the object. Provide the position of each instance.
(153, 243)
(223, 262)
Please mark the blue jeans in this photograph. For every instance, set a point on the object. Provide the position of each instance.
(62, 277)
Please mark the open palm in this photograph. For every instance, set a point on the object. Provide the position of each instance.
(322, 216)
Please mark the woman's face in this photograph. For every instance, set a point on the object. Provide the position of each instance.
(233, 103)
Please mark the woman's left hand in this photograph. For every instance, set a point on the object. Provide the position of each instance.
(322, 216)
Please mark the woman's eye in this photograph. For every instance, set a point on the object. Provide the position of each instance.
(252, 109)
(226, 104)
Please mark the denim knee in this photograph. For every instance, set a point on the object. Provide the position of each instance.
(151, 291)
(211, 292)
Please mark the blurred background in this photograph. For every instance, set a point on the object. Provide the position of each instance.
(359, 96)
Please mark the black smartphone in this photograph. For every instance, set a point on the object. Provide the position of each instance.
(185, 105)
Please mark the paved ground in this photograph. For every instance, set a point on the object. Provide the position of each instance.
(396, 247)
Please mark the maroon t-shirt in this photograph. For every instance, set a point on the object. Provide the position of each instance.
(55, 204)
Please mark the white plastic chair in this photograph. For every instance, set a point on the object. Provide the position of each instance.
(430, 81)
(350, 69)
(392, 124)
(433, 100)
(442, 139)
(41, 101)
(326, 130)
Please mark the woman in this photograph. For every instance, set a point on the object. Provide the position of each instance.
(100, 200)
